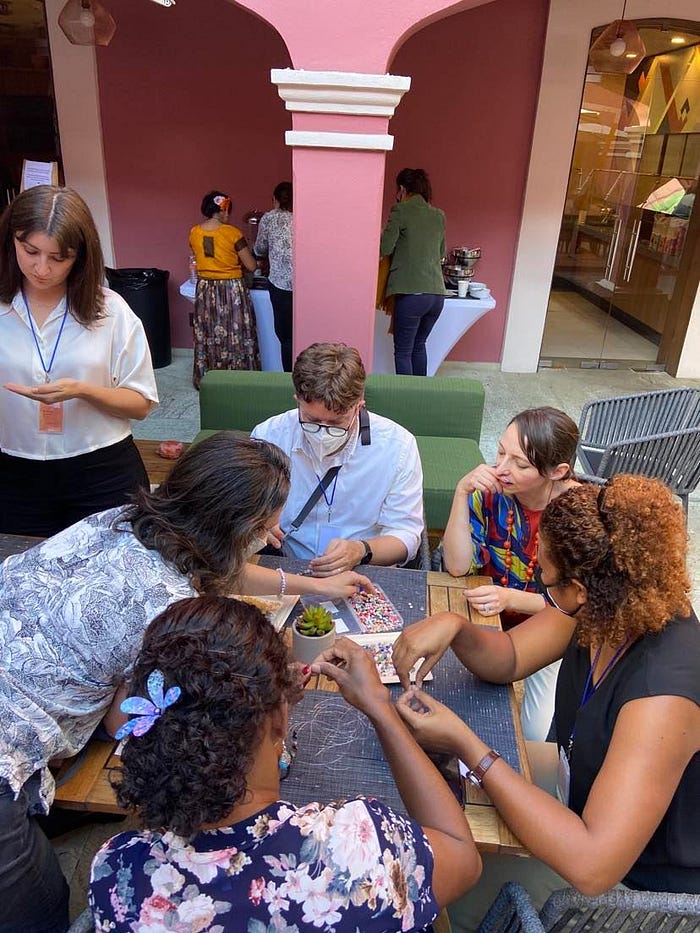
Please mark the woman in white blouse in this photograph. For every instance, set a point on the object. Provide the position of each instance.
(75, 367)
(274, 240)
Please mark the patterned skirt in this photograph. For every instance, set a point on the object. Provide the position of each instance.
(225, 336)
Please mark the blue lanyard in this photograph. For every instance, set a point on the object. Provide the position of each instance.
(590, 688)
(329, 502)
(47, 369)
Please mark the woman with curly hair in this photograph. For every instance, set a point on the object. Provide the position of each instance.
(220, 850)
(73, 611)
(627, 756)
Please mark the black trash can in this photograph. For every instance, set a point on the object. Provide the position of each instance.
(146, 293)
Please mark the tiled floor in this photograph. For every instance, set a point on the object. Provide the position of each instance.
(177, 418)
(576, 327)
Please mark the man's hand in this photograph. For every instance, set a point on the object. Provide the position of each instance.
(341, 554)
(429, 640)
(354, 670)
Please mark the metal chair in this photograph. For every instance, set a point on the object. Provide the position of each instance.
(567, 911)
(655, 434)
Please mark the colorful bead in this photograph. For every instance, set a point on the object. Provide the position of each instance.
(508, 547)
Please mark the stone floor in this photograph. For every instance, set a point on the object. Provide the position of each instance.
(177, 418)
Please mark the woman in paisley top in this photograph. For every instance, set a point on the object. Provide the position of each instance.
(221, 852)
(493, 529)
(73, 611)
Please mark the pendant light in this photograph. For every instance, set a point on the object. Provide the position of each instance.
(619, 48)
(86, 22)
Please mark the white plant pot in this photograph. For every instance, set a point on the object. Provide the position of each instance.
(306, 648)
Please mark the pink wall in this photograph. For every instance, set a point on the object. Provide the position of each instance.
(468, 121)
(189, 110)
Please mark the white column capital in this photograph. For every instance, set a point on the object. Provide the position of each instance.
(344, 92)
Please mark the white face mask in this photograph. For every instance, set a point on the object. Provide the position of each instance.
(323, 445)
(256, 544)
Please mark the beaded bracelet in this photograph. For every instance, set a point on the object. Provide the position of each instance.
(283, 581)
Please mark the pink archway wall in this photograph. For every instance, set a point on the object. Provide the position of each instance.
(339, 191)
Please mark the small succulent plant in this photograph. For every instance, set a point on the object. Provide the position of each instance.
(314, 622)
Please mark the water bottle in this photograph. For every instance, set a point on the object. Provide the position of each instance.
(193, 269)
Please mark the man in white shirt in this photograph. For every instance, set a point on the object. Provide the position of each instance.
(362, 469)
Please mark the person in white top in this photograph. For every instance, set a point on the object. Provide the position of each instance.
(363, 470)
(76, 368)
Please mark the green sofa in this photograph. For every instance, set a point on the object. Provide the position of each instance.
(444, 415)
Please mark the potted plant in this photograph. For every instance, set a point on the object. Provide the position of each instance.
(312, 632)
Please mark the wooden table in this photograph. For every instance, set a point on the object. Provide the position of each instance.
(157, 467)
(84, 781)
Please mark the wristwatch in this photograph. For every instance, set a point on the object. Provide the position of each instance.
(476, 775)
(368, 555)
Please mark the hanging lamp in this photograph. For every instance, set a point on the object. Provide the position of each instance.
(619, 48)
(86, 22)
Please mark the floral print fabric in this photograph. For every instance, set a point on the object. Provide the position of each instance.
(355, 867)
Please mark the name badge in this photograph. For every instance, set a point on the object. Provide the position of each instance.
(326, 533)
(51, 418)
(563, 778)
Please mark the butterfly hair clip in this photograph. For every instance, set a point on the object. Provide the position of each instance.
(147, 711)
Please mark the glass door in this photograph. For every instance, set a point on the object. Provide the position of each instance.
(631, 189)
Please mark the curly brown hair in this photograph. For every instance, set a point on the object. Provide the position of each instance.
(626, 542)
(232, 667)
(331, 373)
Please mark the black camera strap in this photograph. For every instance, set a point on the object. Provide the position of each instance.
(323, 485)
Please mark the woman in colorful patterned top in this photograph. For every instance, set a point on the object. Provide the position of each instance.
(225, 336)
(221, 851)
(274, 240)
(493, 529)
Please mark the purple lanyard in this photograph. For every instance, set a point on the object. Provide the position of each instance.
(47, 369)
(590, 688)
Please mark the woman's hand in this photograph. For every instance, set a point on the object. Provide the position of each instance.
(433, 725)
(354, 671)
(275, 536)
(343, 585)
(429, 640)
(59, 391)
(483, 478)
(301, 675)
(489, 600)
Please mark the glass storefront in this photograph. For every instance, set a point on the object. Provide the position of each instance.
(622, 266)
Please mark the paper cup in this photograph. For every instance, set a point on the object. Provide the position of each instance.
(462, 288)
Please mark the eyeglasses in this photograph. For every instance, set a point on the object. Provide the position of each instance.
(313, 427)
(545, 588)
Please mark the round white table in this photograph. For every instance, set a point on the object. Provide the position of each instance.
(458, 315)
(270, 350)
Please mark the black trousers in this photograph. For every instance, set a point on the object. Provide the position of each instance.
(33, 891)
(42, 497)
(282, 310)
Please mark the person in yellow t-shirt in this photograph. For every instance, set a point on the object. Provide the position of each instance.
(225, 336)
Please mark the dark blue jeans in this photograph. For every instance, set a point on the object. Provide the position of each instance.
(33, 891)
(414, 318)
(282, 302)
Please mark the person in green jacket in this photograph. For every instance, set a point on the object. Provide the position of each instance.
(414, 238)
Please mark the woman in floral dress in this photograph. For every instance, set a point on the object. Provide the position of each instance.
(225, 335)
(221, 851)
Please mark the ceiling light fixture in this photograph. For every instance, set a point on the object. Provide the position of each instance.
(86, 22)
(619, 48)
